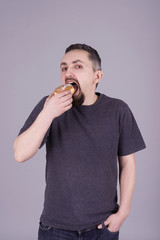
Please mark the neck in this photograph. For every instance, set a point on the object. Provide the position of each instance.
(90, 99)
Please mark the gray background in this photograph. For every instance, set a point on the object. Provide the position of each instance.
(34, 35)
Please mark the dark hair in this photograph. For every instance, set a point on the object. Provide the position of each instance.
(93, 54)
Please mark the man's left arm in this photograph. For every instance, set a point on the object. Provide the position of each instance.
(127, 175)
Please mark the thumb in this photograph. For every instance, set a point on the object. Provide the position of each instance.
(107, 222)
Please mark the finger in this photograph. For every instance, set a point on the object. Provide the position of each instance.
(67, 102)
(110, 229)
(113, 228)
(99, 226)
(61, 97)
(66, 97)
(68, 107)
(60, 94)
(64, 93)
(106, 223)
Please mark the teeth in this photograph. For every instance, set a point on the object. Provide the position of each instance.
(73, 83)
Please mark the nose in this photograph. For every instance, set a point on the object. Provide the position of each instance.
(68, 76)
(68, 72)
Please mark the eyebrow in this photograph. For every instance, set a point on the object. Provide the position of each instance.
(64, 63)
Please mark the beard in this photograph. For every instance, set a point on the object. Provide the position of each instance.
(78, 100)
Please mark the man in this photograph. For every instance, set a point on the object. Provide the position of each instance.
(85, 134)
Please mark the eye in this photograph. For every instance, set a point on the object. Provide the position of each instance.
(78, 66)
(63, 69)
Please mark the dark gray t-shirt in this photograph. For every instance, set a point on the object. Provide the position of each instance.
(81, 163)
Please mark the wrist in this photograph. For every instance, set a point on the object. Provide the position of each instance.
(46, 116)
(123, 213)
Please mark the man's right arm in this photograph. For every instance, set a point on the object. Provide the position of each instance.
(27, 144)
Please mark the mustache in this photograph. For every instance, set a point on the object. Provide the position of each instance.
(70, 79)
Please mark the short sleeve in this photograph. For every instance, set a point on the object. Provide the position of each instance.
(32, 117)
(130, 138)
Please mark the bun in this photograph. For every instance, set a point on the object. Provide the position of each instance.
(63, 88)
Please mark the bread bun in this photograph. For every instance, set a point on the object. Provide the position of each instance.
(63, 88)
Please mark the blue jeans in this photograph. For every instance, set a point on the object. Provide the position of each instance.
(50, 233)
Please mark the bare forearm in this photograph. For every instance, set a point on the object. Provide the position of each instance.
(28, 143)
(127, 184)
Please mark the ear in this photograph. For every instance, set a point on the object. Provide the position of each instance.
(98, 76)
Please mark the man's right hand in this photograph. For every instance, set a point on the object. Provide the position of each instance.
(27, 143)
(57, 104)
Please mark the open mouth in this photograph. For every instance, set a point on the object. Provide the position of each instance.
(74, 85)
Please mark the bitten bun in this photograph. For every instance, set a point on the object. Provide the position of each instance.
(63, 88)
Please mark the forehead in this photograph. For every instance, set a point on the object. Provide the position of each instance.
(74, 55)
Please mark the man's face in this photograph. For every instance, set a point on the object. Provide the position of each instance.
(76, 67)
